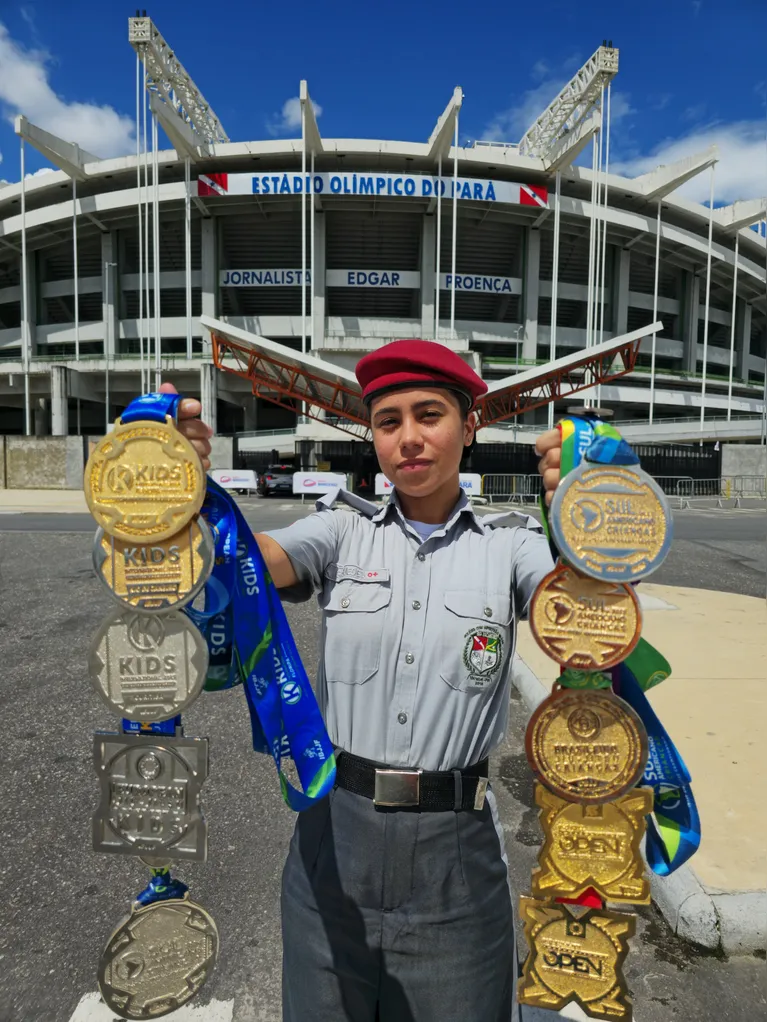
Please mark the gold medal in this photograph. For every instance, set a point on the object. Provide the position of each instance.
(611, 522)
(144, 481)
(156, 576)
(593, 846)
(158, 959)
(586, 747)
(575, 959)
(582, 622)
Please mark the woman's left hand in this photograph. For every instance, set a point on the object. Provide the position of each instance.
(549, 447)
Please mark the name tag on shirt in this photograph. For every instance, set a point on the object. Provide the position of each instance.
(339, 572)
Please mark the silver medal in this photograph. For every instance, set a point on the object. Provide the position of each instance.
(148, 667)
(158, 959)
(150, 796)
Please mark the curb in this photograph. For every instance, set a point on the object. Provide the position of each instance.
(736, 921)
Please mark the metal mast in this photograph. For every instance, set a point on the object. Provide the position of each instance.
(186, 117)
(563, 122)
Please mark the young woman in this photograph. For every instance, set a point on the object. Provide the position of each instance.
(395, 898)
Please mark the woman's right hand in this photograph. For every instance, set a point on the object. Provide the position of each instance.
(191, 425)
(549, 447)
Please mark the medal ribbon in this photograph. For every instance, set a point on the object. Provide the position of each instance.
(285, 718)
(673, 832)
(250, 642)
(161, 887)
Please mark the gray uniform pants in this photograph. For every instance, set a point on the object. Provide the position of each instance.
(396, 916)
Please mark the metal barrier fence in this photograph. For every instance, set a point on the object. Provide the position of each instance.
(525, 489)
(515, 487)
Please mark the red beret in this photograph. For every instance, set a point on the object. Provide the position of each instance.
(414, 363)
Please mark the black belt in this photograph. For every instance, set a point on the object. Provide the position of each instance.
(428, 790)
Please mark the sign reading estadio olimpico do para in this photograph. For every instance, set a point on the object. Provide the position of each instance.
(406, 186)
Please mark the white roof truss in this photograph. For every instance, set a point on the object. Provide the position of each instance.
(313, 137)
(67, 156)
(741, 214)
(663, 180)
(441, 139)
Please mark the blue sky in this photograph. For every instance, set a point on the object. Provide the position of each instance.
(692, 72)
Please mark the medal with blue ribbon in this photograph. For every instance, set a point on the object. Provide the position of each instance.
(168, 543)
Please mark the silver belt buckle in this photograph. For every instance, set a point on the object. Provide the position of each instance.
(397, 788)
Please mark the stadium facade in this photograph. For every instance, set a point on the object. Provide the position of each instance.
(495, 257)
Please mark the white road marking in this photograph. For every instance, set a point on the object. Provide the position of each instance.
(92, 1009)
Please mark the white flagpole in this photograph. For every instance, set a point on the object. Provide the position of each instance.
(439, 247)
(455, 227)
(732, 328)
(25, 345)
(708, 297)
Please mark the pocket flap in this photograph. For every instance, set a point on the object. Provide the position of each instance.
(494, 607)
(347, 597)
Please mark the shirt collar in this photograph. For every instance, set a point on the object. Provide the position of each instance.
(462, 508)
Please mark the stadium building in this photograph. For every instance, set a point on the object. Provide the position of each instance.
(111, 270)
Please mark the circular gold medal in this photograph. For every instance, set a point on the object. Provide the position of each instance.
(584, 623)
(611, 522)
(144, 481)
(586, 746)
(160, 575)
(158, 959)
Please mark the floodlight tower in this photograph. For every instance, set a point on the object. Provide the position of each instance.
(556, 134)
(182, 110)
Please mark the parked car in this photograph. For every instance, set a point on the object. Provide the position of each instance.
(276, 479)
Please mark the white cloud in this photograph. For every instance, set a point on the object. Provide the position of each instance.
(25, 89)
(289, 118)
(741, 172)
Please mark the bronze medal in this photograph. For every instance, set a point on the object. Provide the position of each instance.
(144, 481)
(611, 522)
(160, 575)
(575, 959)
(593, 846)
(586, 746)
(583, 622)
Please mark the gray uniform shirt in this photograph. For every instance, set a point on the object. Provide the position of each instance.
(417, 637)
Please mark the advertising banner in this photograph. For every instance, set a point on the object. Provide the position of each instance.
(317, 482)
(234, 479)
(470, 483)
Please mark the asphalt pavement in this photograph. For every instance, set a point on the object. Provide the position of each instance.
(60, 901)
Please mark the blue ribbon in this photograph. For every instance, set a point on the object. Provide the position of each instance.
(250, 642)
(162, 887)
(674, 835)
(151, 406)
(157, 727)
(285, 718)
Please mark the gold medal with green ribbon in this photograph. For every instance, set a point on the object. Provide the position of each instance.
(610, 526)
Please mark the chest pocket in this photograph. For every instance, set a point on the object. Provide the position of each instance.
(353, 624)
(477, 636)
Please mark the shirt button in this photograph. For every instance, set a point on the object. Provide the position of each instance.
(409, 658)
(488, 611)
(402, 718)
(345, 602)
(422, 557)
(416, 605)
